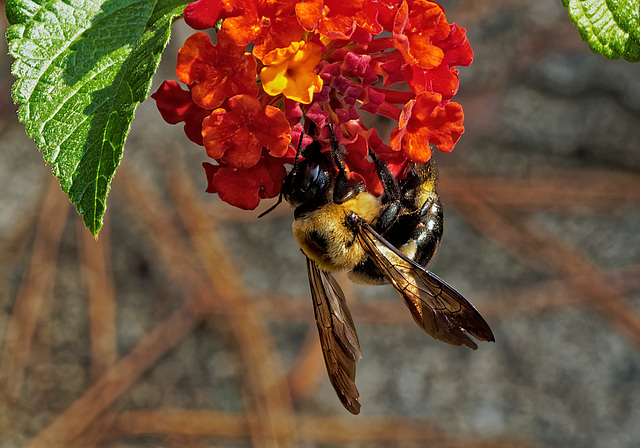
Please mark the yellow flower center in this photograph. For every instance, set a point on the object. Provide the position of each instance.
(291, 71)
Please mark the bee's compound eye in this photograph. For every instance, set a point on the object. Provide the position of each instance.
(310, 177)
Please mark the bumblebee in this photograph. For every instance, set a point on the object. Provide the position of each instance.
(387, 239)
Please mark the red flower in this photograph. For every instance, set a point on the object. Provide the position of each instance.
(359, 142)
(423, 122)
(376, 14)
(333, 19)
(314, 61)
(415, 30)
(216, 72)
(443, 78)
(244, 188)
(240, 133)
(203, 14)
(389, 65)
(175, 106)
(270, 24)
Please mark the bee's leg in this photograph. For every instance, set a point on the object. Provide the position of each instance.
(345, 188)
(391, 205)
(389, 214)
(389, 183)
(417, 230)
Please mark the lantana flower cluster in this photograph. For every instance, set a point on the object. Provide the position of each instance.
(278, 65)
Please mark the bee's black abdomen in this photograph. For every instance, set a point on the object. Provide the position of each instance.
(428, 233)
(367, 273)
(427, 243)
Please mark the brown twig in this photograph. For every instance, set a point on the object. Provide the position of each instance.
(318, 430)
(550, 254)
(34, 289)
(567, 191)
(95, 432)
(16, 241)
(545, 296)
(269, 401)
(95, 268)
(308, 369)
(98, 279)
(74, 420)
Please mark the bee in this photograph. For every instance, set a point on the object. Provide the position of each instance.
(386, 239)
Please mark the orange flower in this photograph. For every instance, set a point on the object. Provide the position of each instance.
(215, 72)
(270, 24)
(239, 134)
(423, 122)
(244, 187)
(443, 78)
(317, 59)
(176, 106)
(415, 30)
(333, 19)
(291, 71)
(377, 15)
(203, 14)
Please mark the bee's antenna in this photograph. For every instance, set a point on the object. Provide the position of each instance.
(291, 173)
(272, 208)
(389, 183)
(335, 152)
(343, 188)
(298, 151)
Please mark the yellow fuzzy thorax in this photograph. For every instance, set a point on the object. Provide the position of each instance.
(340, 248)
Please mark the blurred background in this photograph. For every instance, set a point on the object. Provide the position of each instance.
(188, 323)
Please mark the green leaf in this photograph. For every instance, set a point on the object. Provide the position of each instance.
(81, 68)
(611, 27)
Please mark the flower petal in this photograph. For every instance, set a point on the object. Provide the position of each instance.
(176, 105)
(424, 122)
(203, 14)
(291, 71)
(244, 187)
(215, 72)
(239, 134)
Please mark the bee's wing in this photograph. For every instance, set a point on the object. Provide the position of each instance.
(436, 307)
(338, 338)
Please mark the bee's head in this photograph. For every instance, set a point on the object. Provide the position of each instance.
(310, 179)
